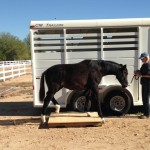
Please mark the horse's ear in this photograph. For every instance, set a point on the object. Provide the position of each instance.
(124, 67)
(121, 65)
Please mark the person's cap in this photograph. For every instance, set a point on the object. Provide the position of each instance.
(143, 55)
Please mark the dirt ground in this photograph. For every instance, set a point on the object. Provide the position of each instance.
(19, 126)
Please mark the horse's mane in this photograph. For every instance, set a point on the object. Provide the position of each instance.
(109, 62)
(108, 67)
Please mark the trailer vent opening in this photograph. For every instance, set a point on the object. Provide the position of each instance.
(120, 39)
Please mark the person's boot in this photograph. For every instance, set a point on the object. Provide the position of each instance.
(144, 117)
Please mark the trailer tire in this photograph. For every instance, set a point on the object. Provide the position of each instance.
(117, 103)
(77, 102)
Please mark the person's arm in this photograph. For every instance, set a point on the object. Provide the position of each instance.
(145, 76)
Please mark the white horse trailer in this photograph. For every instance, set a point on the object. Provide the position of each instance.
(71, 41)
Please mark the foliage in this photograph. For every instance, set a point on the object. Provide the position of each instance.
(11, 48)
(27, 42)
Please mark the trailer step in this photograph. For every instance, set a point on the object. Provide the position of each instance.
(74, 119)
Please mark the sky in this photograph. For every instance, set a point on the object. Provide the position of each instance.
(15, 15)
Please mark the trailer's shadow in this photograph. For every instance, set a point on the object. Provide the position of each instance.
(25, 113)
(17, 113)
(27, 109)
(18, 109)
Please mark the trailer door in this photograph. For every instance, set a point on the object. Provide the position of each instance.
(47, 48)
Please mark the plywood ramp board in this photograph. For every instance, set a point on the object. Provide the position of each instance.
(74, 119)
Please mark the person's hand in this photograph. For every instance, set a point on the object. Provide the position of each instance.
(137, 73)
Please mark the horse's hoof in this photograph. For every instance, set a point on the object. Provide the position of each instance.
(43, 118)
(103, 121)
(43, 125)
(57, 107)
(89, 114)
(56, 114)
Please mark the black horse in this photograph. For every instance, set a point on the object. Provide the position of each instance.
(85, 75)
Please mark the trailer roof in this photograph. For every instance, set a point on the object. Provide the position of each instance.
(90, 23)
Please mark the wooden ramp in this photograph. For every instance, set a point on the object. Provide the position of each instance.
(74, 119)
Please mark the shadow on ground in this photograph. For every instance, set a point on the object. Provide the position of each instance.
(30, 115)
(18, 109)
(27, 109)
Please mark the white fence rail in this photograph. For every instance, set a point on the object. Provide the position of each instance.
(11, 69)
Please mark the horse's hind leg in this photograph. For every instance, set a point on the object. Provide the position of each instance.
(47, 99)
(52, 89)
(57, 106)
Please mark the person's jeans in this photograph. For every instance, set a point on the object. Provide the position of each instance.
(145, 98)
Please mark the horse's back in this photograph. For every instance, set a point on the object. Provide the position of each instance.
(72, 76)
(76, 67)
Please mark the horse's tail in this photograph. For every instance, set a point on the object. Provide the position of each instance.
(42, 88)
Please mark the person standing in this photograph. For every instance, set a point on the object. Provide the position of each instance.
(144, 73)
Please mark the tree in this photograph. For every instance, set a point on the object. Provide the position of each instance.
(11, 48)
(27, 43)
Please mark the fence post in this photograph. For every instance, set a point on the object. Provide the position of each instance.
(25, 67)
(18, 69)
(12, 71)
(3, 71)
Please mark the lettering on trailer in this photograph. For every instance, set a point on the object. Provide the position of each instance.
(54, 25)
(38, 25)
(48, 25)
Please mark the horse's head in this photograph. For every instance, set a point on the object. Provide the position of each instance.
(122, 75)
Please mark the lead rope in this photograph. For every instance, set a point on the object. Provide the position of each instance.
(136, 78)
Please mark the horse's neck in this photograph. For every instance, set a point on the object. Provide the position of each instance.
(110, 68)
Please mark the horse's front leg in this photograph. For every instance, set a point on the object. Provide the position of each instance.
(100, 110)
(96, 95)
(57, 106)
(87, 95)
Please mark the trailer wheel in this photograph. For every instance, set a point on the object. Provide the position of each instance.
(78, 102)
(117, 103)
